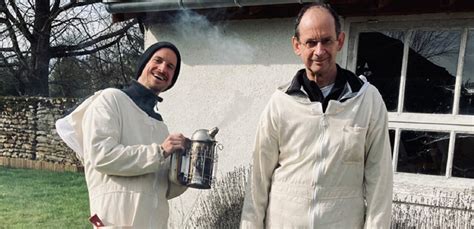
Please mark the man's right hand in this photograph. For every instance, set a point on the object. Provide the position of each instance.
(173, 143)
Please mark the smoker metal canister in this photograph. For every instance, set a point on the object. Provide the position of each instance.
(195, 166)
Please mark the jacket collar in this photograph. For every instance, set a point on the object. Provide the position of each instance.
(144, 98)
(346, 86)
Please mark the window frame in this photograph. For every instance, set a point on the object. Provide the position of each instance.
(453, 123)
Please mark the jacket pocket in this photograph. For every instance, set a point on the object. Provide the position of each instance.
(354, 144)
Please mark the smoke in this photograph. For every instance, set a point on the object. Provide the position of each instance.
(233, 111)
(212, 40)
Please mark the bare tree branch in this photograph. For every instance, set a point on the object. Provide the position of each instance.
(3, 6)
(4, 65)
(56, 51)
(20, 23)
(91, 51)
(14, 41)
(9, 67)
(71, 4)
(55, 7)
(9, 49)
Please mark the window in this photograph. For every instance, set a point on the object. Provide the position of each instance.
(424, 70)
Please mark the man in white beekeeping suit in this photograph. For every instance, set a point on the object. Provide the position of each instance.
(322, 152)
(125, 146)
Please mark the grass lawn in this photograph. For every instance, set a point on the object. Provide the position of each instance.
(42, 199)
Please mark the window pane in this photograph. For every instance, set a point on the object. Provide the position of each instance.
(463, 161)
(432, 63)
(379, 58)
(466, 103)
(423, 152)
(391, 134)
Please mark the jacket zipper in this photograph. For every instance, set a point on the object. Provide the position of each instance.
(318, 166)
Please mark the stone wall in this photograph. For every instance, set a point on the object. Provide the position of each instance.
(28, 137)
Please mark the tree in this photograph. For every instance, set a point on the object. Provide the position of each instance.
(7, 84)
(112, 67)
(34, 32)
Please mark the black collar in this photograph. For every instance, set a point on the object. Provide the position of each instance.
(301, 82)
(144, 98)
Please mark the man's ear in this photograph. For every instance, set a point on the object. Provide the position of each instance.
(340, 40)
(296, 45)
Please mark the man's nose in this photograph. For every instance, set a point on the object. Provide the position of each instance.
(162, 67)
(319, 49)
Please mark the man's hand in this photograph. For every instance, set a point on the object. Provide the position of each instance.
(173, 143)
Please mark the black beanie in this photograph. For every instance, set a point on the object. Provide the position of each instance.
(145, 57)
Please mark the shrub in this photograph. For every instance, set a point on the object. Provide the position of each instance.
(222, 207)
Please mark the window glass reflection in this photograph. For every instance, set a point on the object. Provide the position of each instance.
(466, 102)
(431, 71)
(423, 152)
(379, 58)
(391, 134)
(463, 161)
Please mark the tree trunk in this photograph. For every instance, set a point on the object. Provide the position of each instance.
(40, 51)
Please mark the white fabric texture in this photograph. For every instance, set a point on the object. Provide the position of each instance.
(321, 170)
(70, 130)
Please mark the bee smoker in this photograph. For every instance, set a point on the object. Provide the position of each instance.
(195, 166)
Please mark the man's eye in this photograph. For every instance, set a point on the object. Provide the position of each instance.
(311, 44)
(170, 66)
(326, 41)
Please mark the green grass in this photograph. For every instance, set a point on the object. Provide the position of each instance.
(42, 199)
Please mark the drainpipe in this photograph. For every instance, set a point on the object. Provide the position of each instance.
(117, 6)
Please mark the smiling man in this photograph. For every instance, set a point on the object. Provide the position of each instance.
(158, 74)
(321, 157)
(125, 145)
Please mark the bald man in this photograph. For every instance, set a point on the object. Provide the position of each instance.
(322, 153)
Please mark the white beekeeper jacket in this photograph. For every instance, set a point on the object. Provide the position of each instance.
(315, 169)
(126, 174)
